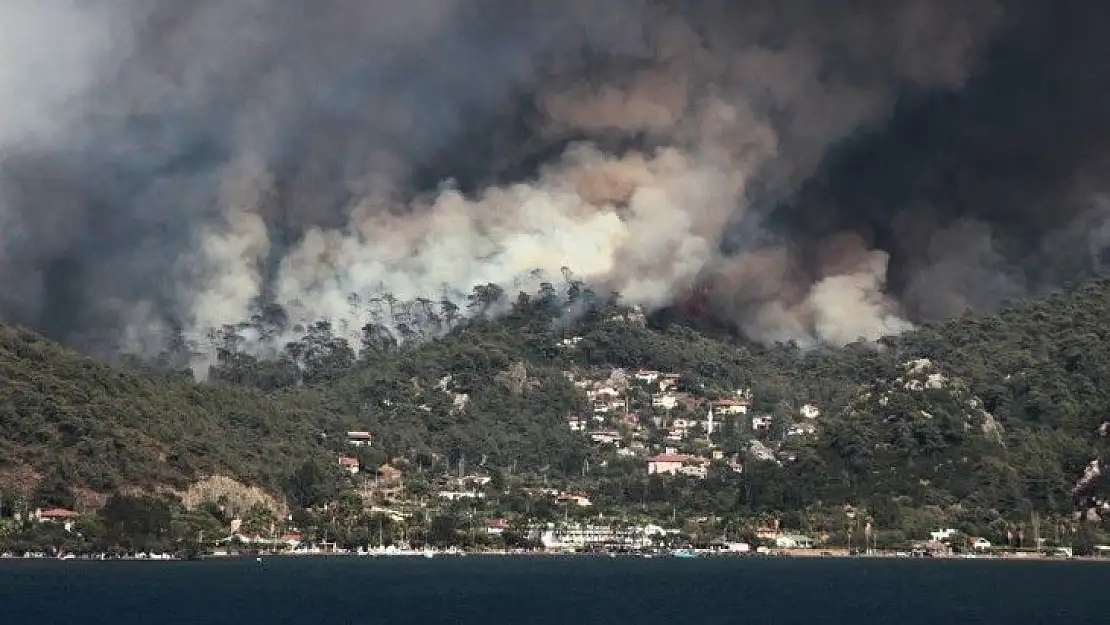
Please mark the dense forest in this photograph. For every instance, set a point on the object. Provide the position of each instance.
(981, 421)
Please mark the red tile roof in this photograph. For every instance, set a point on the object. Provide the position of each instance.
(670, 458)
(57, 513)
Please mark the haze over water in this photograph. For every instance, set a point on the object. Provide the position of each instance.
(544, 590)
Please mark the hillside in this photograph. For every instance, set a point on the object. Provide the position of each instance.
(100, 428)
(978, 422)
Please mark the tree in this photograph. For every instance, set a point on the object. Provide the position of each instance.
(443, 531)
(310, 485)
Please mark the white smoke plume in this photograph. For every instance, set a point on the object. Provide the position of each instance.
(197, 159)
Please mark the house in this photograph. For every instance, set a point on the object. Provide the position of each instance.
(802, 429)
(809, 411)
(291, 540)
(645, 375)
(794, 541)
(496, 527)
(672, 463)
(767, 532)
(668, 381)
(359, 439)
(349, 464)
(698, 470)
(53, 515)
(668, 462)
(943, 534)
(576, 423)
(762, 423)
(730, 406)
(929, 548)
(460, 495)
(57, 515)
(980, 544)
(667, 401)
(606, 437)
(578, 499)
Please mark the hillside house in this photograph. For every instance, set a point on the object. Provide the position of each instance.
(730, 406)
(576, 423)
(809, 411)
(359, 439)
(668, 381)
(666, 401)
(646, 376)
(349, 464)
(699, 470)
(460, 495)
(496, 527)
(606, 437)
(802, 429)
(578, 499)
(794, 541)
(673, 463)
(762, 423)
(61, 516)
(667, 463)
(943, 534)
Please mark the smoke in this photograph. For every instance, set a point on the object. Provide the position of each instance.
(168, 165)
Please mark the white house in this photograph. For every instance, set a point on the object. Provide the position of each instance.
(794, 541)
(668, 381)
(802, 429)
(359, 439)
(730, 406)
(809, 411)
(943, 534)
(762, 422)
(667, 401)
(459, 495)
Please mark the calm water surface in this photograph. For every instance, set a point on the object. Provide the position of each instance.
(541, 590)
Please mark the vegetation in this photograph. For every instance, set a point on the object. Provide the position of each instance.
(981, 422)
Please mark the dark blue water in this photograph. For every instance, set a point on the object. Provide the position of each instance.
(493, 591)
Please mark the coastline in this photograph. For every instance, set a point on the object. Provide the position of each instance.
(840, 554)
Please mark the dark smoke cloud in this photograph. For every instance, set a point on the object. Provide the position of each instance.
(988, 193)
(832, 170)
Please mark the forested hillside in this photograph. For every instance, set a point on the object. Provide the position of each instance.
(89, 425)
(981, 421)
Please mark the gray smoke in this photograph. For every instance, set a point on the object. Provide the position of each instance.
(173, 165)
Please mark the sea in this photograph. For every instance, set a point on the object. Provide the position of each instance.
(581, 590)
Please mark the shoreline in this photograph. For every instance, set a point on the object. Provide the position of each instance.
(409, 555)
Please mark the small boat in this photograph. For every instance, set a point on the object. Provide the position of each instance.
(428, 553)
(684, 553)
